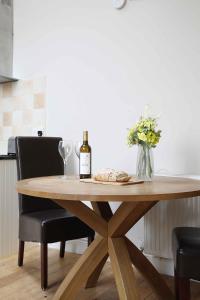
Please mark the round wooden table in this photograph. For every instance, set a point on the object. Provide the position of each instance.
(136, 201)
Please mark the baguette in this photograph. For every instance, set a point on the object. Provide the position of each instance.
(112, 176)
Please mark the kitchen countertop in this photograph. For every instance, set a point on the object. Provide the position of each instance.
(4, 156)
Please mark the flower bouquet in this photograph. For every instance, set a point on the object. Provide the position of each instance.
(144, 134)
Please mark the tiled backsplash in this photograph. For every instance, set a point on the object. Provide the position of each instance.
(22, 109)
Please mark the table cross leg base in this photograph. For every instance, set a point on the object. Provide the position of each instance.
(111, 242)
(83, 269)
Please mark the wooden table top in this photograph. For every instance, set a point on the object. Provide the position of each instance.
(161, 188)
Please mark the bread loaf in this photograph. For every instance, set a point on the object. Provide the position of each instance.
(111, 175)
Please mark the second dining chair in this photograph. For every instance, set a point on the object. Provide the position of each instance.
(186, 253)
(41, 220)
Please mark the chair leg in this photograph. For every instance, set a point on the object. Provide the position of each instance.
(21, 253)
(62, 249)
(90, 239)
(182, 287)
(44, 265)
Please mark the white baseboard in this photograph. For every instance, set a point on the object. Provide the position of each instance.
(75, 246)
(163, 265)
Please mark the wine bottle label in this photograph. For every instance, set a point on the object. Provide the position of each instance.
(85, 163)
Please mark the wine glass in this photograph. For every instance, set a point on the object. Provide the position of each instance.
(77, 148)
(65, 150)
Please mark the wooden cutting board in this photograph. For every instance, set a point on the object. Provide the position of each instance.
(130, 182)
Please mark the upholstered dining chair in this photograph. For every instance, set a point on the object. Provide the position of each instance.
(186, 253)
(41, 220)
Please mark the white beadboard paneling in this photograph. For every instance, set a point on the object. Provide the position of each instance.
(8, 208)
(162, 218)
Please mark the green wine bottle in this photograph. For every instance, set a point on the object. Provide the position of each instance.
(85, 158)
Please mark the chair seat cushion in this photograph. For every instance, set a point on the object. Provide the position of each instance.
(186, 251)
(53, 225)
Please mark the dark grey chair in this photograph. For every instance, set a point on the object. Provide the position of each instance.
(41, 220)
(186, 252)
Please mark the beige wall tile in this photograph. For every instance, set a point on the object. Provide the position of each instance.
(7, 119)
(28, 87)
(27, 130)
(1, 132)
(17, 103)
(23, 102)
(39, 100)
(18, 89)
(22, 108)
(7, 89)
(22, 130)
(39, 118)
(17, 118)
(6, 105)
(7, 132)
(1, 118)
(22, 87)
(27, 102)
(17, 130)
(27, 117)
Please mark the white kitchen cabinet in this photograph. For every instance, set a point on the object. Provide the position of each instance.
(8, 208)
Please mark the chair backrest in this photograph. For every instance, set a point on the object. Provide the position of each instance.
(37, 157)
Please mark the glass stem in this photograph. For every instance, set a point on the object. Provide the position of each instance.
(65, 168)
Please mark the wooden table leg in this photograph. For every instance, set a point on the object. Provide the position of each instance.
(102, 209)
(127, 215)
(86, 214)
(122, 269)
(140, 261)
(96, 219)
(85, 265)
(93, 278)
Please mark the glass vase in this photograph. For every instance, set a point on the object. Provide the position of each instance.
(144, 169)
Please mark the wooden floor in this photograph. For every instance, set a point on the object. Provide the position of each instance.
(24, 283)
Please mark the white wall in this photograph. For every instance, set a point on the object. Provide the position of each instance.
(104, 65)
